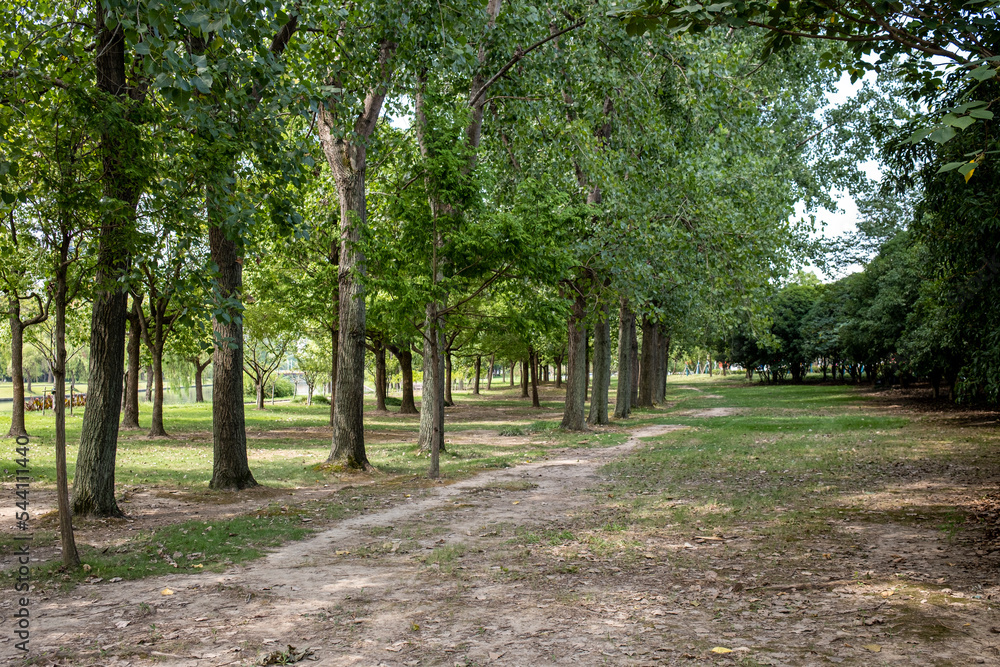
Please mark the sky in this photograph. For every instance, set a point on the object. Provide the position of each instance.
(844, 220)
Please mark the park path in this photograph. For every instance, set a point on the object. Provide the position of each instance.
(506, 568)
(355, 598)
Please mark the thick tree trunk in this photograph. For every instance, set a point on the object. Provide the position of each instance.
(149, 383)
(626, 331)
(524, 378)
(230, 465)
(478, 366)
(258, 386)
(405, 358)
(130, 412)
(489, 374)
(448, 401)
(121, 146)
(576, 367)
(429, 429)
(156, 429)
(437, 409)
(649, 362)
(533, 363)
(602, 370)
(380, 377)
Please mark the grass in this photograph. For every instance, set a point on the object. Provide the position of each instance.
(789, 459)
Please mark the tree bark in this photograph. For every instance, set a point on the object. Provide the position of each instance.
(602, 370)
(156, 429)
(347, 157)
(17, 327)
(199, 370)
(635, 365)
(661, 367)
(448, 400)
(524, 378)
(489, 374)
(94, 483)
(335, 339)
(433, 340)
(70, 556)
(576, 367)
(405, 358)
(533, 364)
(650, 356)
(230, 466)
(149, 383)
(130, 416)
(626, 331)
(478, 366)
(380, 376)
(513, 365)
(559, 360)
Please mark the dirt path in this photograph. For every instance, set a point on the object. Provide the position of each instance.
(497, 570)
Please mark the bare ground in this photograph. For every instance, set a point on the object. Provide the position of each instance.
(496, 570)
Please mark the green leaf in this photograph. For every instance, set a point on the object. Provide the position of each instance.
(203, 82)
(951, 166)
(983, 73)
(966, 168)
(981, 113)
(942, 135)
(142, 48)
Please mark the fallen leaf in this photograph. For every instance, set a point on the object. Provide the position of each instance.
(874, 648)
(198, 566)
(342, 553)
(720, 650)
(122, 624)
(516, 502)
(166, 591)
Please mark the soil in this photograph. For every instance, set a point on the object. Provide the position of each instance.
(495, 570)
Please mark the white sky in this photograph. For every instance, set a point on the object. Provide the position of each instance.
(832, 224)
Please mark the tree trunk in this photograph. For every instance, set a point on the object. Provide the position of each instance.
(626, 331)
(259, 393)
(230, 465)
(478, 368)
(380, 374)
(407, 406)
(448, 401)
(663, 355)
(533, 364)
(650, 354)
(602, 370)
(634, 400)
(17, 370)
(70, 556)
(199, 370)
(149, 383)
(513, 365)
(576, 367)
(429, 429)
(335, 339)
(130, 416)
(156, 429)
(524, 378)
(121, 146)
(489, 374)
(346, 154)
(559, 360)
(437, 408)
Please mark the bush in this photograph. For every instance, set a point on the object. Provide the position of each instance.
(283, 387)
(320, 398)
